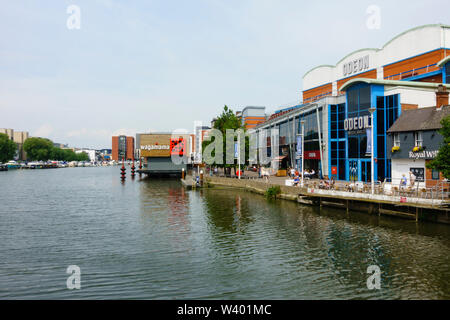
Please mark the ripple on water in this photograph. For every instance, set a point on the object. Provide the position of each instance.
(152, 239)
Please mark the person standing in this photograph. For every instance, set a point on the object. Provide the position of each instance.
(403, 181)
(412, 179)
(292, 172)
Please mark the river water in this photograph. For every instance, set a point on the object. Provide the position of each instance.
(151, 239)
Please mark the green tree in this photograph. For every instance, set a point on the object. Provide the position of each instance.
(8, 148)
(442, 160)
(38, 148)
(82, 156)
(227, 120)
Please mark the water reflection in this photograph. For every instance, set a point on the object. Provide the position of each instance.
(151, 239)
(332, 248)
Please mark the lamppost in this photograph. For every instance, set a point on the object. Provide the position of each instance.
(302, 123)
(372, 164)
(239, 154)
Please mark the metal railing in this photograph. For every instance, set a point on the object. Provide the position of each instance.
(424, 189)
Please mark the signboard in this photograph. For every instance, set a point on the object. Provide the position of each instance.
(423, 154)
(162, 145)
(312, 155)
(357, 123)
(299, 146)
(333, 170)
(236, 151)
(356, 66)
(177, 146)
(369, 141)
(419, 173)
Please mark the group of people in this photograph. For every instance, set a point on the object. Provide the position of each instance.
(404, 180)
(307, 174)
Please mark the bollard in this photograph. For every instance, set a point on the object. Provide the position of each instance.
(132, 170)
(123, 174)
(182, 173)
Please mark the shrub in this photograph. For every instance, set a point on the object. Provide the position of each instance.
(273, 192)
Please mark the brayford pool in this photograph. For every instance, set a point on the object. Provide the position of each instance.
(152, 239)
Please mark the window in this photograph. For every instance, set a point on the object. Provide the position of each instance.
(435, 174)
(447, 73)
(396, 140)
(418, 138)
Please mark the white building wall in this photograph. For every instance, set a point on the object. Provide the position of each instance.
(402, 166)
(90, 153)
(423, 98)
(408, 44)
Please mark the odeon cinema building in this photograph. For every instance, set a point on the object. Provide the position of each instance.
(397, 82)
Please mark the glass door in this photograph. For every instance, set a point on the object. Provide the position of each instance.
(366, 170)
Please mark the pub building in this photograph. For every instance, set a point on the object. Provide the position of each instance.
(414, 141)
(405, 74)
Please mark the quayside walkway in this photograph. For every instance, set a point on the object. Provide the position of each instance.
(425, 204)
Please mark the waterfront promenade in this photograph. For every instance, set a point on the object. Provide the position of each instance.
(416, 204)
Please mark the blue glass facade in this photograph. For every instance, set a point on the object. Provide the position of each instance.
(349, 133)
(311, 143)
(447, 73)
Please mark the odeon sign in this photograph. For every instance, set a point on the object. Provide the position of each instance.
(357, 123)
(356, 66)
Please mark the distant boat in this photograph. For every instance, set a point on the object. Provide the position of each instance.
(13, 165)
(3, 167)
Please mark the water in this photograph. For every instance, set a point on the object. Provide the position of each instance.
(154, 240)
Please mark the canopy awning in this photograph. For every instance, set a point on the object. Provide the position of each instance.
(279, 158)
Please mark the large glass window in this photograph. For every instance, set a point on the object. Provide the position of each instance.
(359, 100)
(338, 144)
(447, 73)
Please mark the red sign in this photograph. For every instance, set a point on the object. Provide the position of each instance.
(333, 170)
(403, 200)
(177, 146)
(312, 155)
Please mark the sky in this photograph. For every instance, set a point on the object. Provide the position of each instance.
(150, 66)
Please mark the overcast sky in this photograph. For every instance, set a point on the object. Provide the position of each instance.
(140, 66)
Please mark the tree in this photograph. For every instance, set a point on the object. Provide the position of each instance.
(442, 160)
(38, 148)
(82, 156)
(8, 148)
(226, 121)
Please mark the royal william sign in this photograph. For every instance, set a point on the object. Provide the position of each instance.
(423, 154)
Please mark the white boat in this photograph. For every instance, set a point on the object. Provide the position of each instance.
(73, 164)
(13, 165)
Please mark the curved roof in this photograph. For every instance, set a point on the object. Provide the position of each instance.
(415, 84)
(384, 46)
(443, 62)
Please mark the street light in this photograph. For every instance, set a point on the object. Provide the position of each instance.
(372, 165)
(302, 123)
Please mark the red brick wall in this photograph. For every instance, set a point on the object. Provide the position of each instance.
(115, 149)
(130, 148)
(429, 178)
